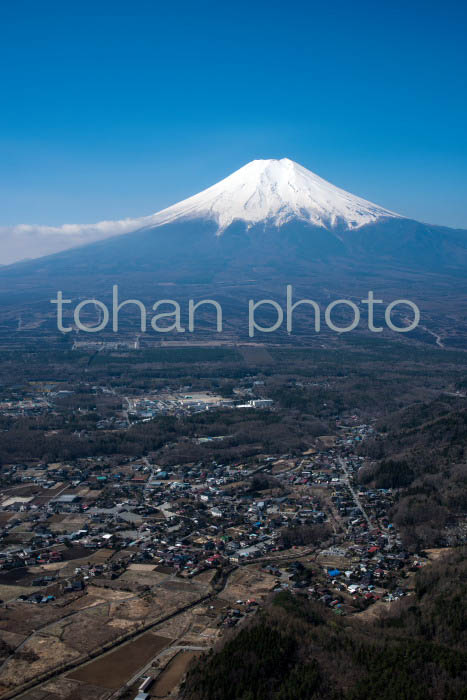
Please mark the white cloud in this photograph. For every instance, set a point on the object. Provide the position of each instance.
(26, 241)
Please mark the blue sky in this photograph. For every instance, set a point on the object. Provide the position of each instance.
(115, 109)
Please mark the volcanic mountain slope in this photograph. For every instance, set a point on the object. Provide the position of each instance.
(269, 220)
(274, 192)
(263, 190)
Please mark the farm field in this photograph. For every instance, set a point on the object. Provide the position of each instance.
(246, 583)
(172, 674)
(117, 667)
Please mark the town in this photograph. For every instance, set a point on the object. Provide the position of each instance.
(100, 553)
(155, 500)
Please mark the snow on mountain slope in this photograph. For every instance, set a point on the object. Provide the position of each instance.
(274, 191)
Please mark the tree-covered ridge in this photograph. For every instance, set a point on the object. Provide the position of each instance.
(421, 450)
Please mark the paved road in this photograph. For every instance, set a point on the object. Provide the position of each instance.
(347, 480)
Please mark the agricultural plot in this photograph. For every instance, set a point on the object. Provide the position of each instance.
(117, 667)
(173, 674)
(35, 658)
(248, 582)
(12, 592)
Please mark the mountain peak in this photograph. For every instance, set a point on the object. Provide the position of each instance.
(275, 191)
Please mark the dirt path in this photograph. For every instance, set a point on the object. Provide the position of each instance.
(438, 338)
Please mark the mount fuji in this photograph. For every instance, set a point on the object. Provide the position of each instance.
(266, 221)
(274, 192)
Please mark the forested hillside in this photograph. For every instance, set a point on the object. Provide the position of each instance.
(422, 450)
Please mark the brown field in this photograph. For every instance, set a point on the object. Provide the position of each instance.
(24, 618)
(205, 576)
(434, 554)
(107, 593)
(233, 486)
(63, 689)
(282, 465)
(12, 592)
(12, 638)
(172, 585)
(80, 555)
(50, 652)
(215, 604)
(5, 517)
(23, 490)
(101, 556)
(85, 632)
(374, 611)
(165, 569)
(54, 566)
(328, 440)
(75, 553)
(93, 493)
(173, 674)
(142, 567)
(22, 527)
(67, 523)
(134, 579)
(57, 518)
(248, 583)
(136, 609)
(117, 667)
(333, 561)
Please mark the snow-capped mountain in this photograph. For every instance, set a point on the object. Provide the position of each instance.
(271, 220)
(275, 191)
(270, 191)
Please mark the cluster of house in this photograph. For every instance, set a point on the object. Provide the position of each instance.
(112, 423)
(37, 398)
(166, 402)
(195, 516)
(186, 517)
(32, 399)
(16, 407)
